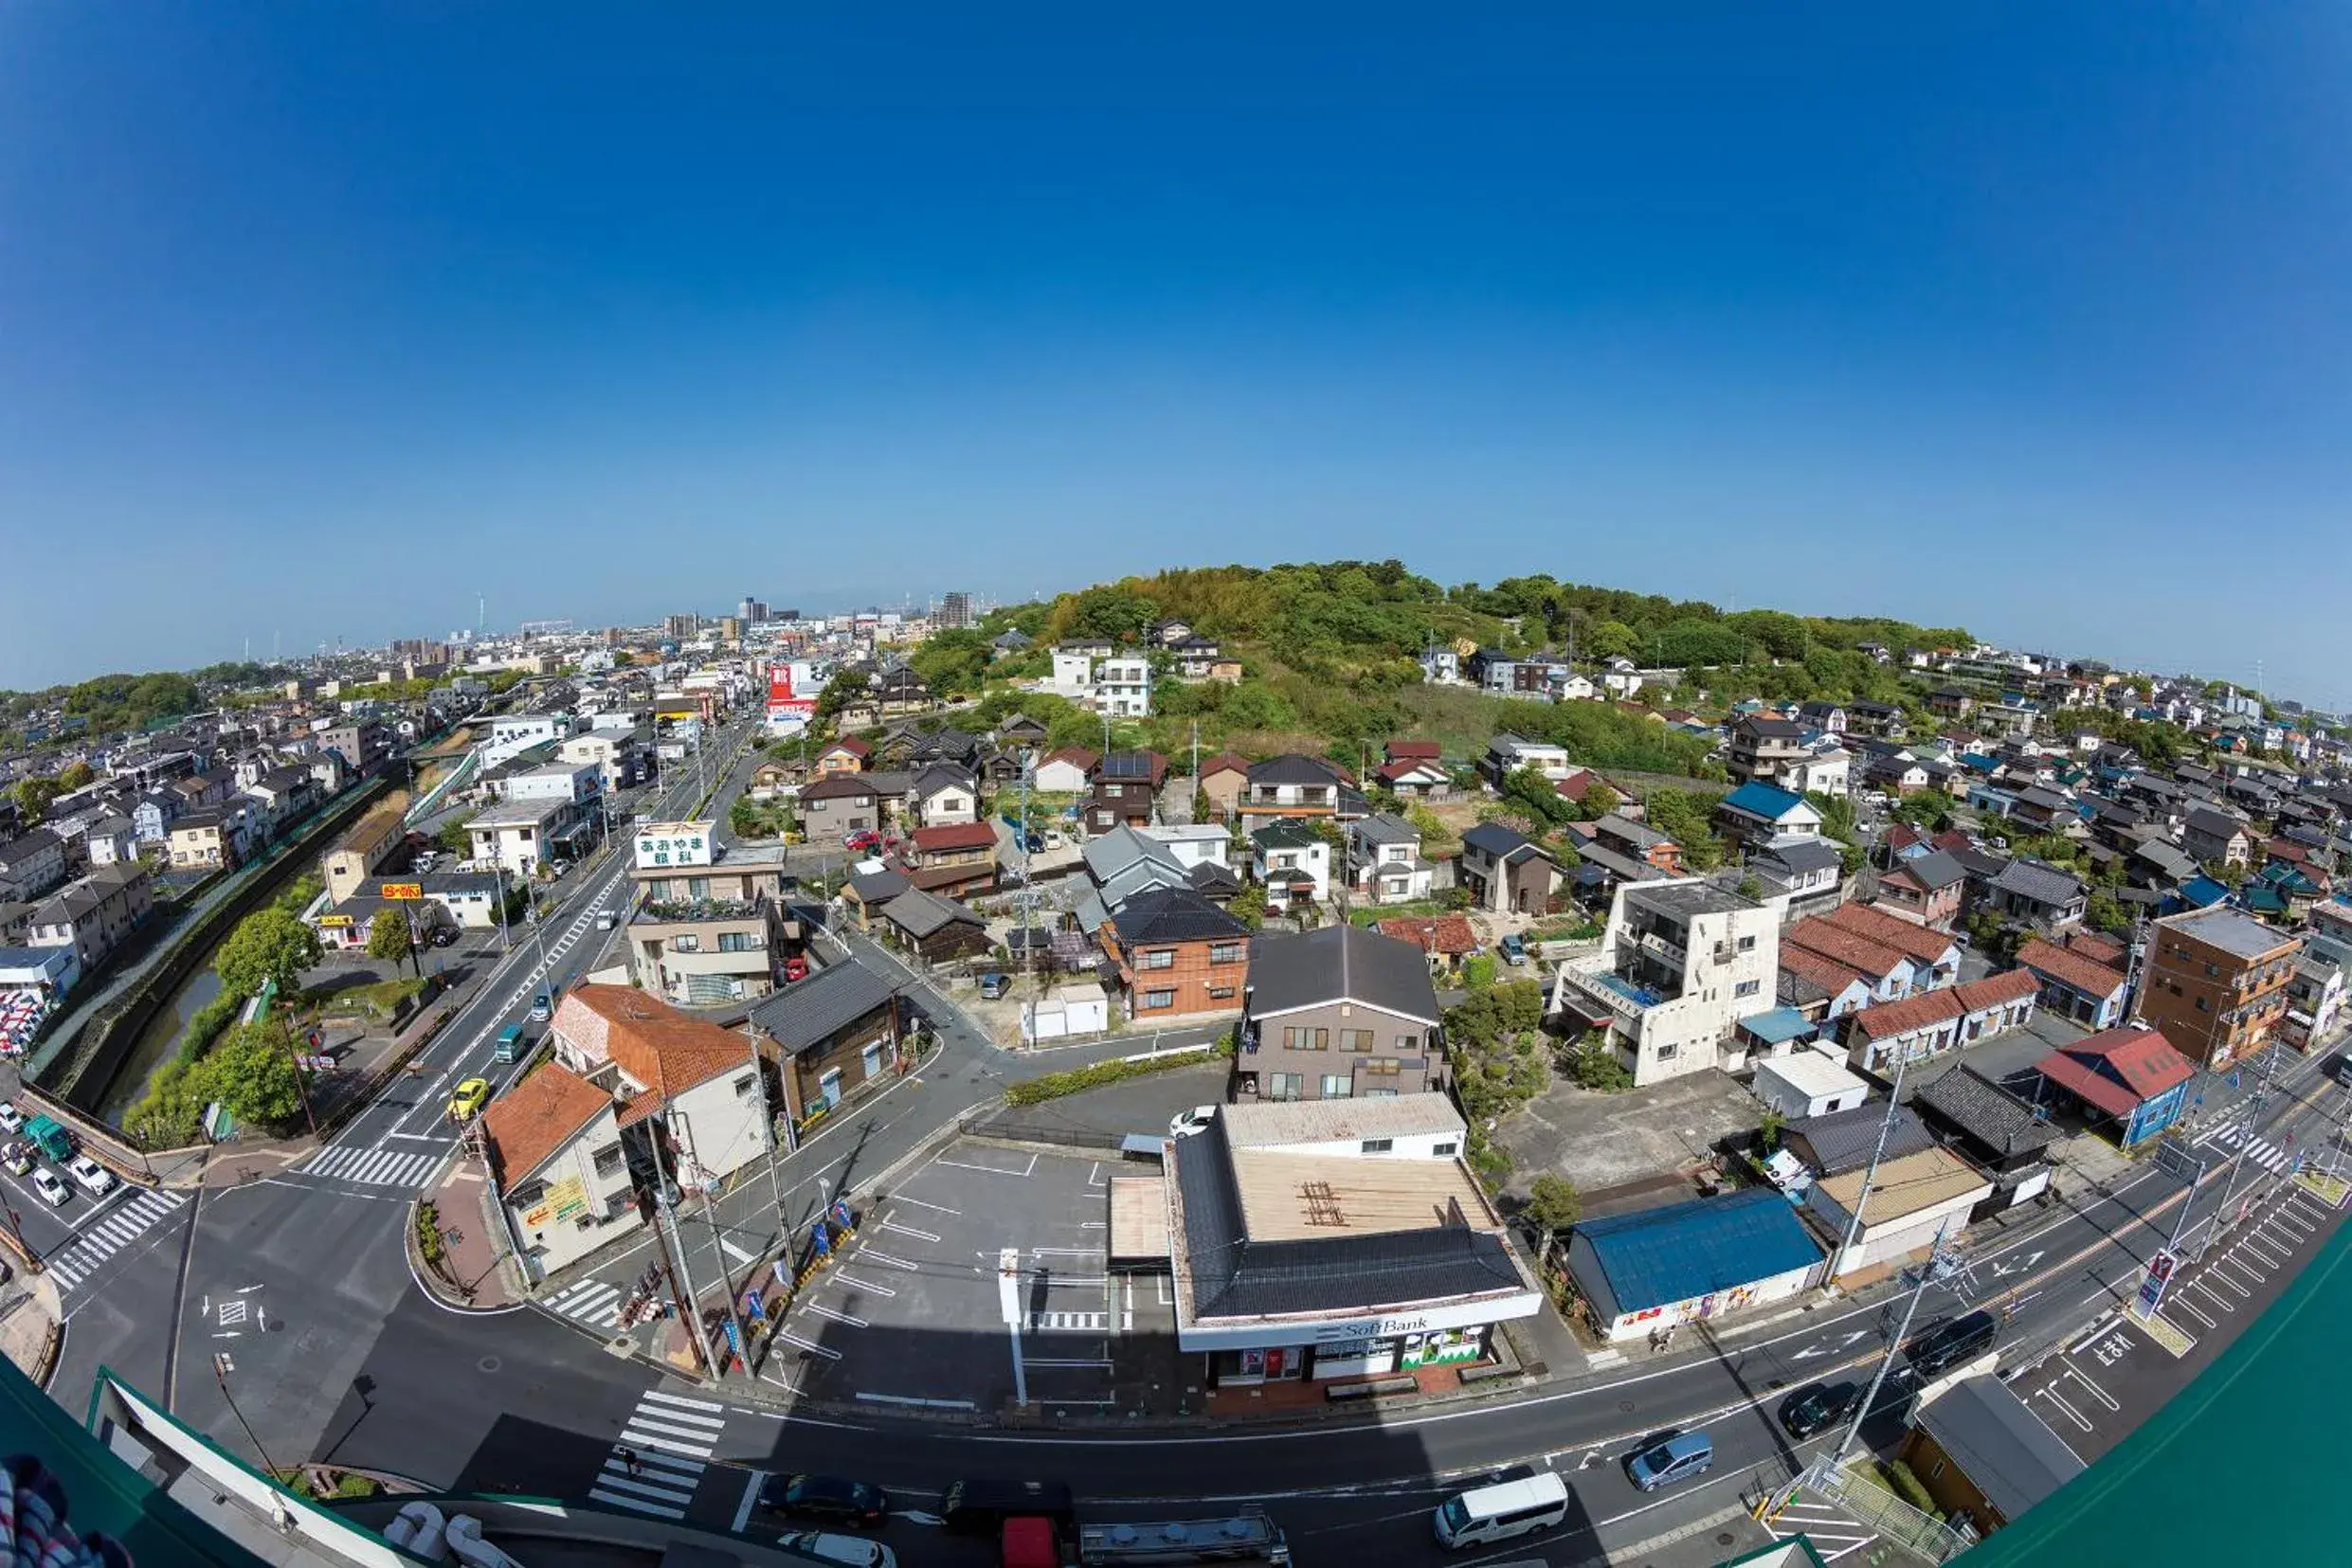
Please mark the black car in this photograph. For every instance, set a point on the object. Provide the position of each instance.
(829, 1498)
(1949, 1345)
(1819, 1408)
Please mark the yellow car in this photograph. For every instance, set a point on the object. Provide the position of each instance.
(468, 1102)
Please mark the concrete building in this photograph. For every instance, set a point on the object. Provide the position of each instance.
(1123, 688)
(2216, 982)
(1680, 964)
(1911, 1202)
(521, 836)
(558, 1167)
(1807, 1083)
(708, 926)
(1338, 1013)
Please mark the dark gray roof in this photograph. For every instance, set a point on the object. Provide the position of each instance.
(1340, 963)
(2220, 824)
(938, 776)
(1173, 915)
(1799, 855)
(1987, 1113)
(1382, 828)
(1935, 870)
(1981, 864)
(1771, 729)
(921, 913)
(878, 886)
(1999, 1443)
(1292, 767)
(1211, 880)
(1126, 767)
(1842, 1140)
(810, 1012)
(2040, 883)
(1496, 840)
(1285, 833)
(1236, 1277)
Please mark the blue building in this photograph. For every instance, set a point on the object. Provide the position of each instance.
(1688, 1262)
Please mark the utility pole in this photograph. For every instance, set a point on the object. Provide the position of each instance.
(1869, 1173)
(222, 1367)
(1910, 1309)
(682, 1282)
(767, 1120)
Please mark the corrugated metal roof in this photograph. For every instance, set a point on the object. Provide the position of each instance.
(1655, 1257)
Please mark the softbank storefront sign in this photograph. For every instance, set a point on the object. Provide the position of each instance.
(1347, 1346)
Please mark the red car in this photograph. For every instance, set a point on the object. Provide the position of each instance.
(862, 839)
(795, 968)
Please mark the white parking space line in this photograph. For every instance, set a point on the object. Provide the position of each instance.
(2073, 1414)
(936, 1208)
(894, 1226)
(855, 1282)
(990, 1170)
(739, 1255)
(824, 1311)
(874, 1255)
(2097, 1392)
(811, 1346)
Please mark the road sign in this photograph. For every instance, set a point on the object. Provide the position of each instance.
(2152, 1286)
(2177, 1161)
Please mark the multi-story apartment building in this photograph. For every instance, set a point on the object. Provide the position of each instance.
(1177, 954)
(1123, 688)
(1681, 964)
(2216, 982)
(709, 924)
(1763, 749)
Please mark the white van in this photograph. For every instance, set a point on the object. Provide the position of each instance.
(1501, 1511)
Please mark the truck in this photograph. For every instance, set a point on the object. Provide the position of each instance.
(1249, 1535)
(50, 1139)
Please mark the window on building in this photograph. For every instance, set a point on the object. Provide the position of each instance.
(1747, 944)
(1445, 1149)
(607, 1158)
(745, 1085)
(740, 941)
(1386, 1067)
(1666, 1052)
(1355, 1039)
(686, 942)
(1379, 1145)
(1159, 998)
(1225, 952)
(1221, 993)
(1747, 987)
(1284, 1086)
(529, 1195)
(2200, 1005)
(1338, 1086)
(1163, 958)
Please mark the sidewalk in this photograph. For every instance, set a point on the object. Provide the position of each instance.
(32, 1331)
(471, 1274)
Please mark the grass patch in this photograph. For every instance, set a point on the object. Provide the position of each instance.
(377, 1000)
(1054, 1086)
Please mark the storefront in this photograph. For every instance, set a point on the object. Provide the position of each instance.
(1371, 1348)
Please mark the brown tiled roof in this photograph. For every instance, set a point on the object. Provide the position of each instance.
(1843, 946)
(654, 1043)
(852, 744)
(1889, 930)
(1996, 991)
(1830, 975)
(955, 836)
(538, 1116)
(2098, 948)
(1449, 934)
(2078, 970)
(1891, 1018)
(1427, 750)
(1078, 757)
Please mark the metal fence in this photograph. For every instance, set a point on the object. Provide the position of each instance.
(986, 1124)
(1892, 1518)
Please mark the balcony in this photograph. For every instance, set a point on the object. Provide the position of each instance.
(1674, 954)
(1619, 996)
(679, 911)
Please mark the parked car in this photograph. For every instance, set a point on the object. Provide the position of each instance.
(1187, 1122)
(49, 1187)
(470, 1097)
(829, 1499)
(18, 1159)
(1034, 843)
(1819, 1408)
(832, 1548)
(1679, 1458)
(865, 838)
(90, 1176)
(11, 1119)
(994, 986)
(1515, 949)
(795, 968)
(442, 936)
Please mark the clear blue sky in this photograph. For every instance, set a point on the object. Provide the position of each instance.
(318, 319)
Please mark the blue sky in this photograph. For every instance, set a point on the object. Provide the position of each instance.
(318, 321)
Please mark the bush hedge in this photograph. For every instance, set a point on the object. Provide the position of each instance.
(1053, 1086)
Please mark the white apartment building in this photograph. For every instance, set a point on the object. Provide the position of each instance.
(1681, 964)
(1123, 688)
(513, 733)
(575, 782)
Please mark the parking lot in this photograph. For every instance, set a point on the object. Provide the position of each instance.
(918, 1312)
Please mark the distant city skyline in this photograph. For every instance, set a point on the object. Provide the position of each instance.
(338, 317)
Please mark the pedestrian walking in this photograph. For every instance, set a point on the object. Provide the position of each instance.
(628, 1457)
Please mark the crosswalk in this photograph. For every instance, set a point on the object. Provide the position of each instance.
(671, 1438)
(589, 1301)
(112, 1231)
(1069, 1323)
(367, 1167)
(2260, 1151)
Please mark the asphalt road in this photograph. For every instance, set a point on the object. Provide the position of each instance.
(293, 1274)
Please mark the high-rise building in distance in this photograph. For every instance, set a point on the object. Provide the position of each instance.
(955, 609)
(751, 610)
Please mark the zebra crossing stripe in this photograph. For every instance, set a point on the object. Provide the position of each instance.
(646, 1420)
(680, 1401)
(622, 1501)
(667, 1445)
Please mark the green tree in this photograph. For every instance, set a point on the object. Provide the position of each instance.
(1521, 1003)
(1528, 789)
(1249, 906)
(252, 1072)
(1687, 818)
(1592, 1063)
(2106, 912)
(1610, 639)
(76, 774)
(1553, 1202)
(267, 944)
(1113, 611)
(1768, 1126)
(1600, 799)
(390, 937)
(32, 796)
(455, 837)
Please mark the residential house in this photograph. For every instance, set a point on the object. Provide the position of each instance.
(1983, 1455)
(2042, 894)
(1505, 872)
(1199, 659)
(2075, 986)
(709, 926)
(1290, 787)
(866, 891)
(1999, 1133)
(1950, 702)
(558, 1167)
(2133, 1077)
(1068, 772)
(94, 915)
(1824, 770)
(1758, 813)
(838, 805)
(1177, 955)
(937, 931)
(31, 864)
(1123, 688)
(1807, 872)
(367, 848)
(1508, 754)
(1883, 719)
(2315, 1002)
(1384, 860)
(839, 1032)
(1640, 842)
(281, 797)
(1804, 1083)
(1444, 940)
(1828, 717)
(1413, 771)
(1689, 1262)
(1681, 964)
(955, 859)
(1847, 1140)
(523, 835)
(1126, 787)
(944, 795)
(2215, 983)
(1292, 862)
(702, 1095)
(151, 817)
(848, 755)
(1932, 1022)
(1124, 862)
(1763, 749)
(771, 779)
(112, 842)
(1925, 890)
(1338, 1013)
(211, 840)
(2211, 836)
(1223, 779)
(1898, 956)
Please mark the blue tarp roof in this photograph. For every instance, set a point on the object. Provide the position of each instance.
(1763, 800)
(2203, 891)
(1778, 1026)
(1655, 1257)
